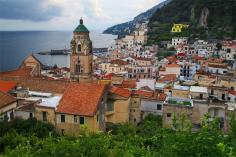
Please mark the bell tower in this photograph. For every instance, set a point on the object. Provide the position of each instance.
(81, 59)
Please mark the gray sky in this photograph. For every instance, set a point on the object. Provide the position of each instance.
(65, 14)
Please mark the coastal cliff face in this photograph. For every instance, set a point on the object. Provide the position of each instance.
(203, 17)
(207, 19)
(128, 27)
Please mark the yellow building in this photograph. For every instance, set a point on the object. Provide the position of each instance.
(45, 114)
(117, 110)
(83, 104)
(230, 83)
(180, 91)
(177, 28)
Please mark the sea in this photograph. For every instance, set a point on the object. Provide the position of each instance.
(15, 46)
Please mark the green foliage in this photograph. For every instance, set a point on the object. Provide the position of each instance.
(27, 127)
(148, 139)
(221, 21)
(183, 123)
(164, 53)
(150, 125)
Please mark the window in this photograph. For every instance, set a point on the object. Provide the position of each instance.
(31, 115)
(44, 114)
(81, 120)
(223, 96)
(77, 68)
(79, 48)
(201, 96)
(63, 118)
(212, 92)
(229, 98)
(5, 117)
(110, 105)
(75, 119)
(11, 115)
(168, 115)
(216, 112)
(159, 107)
(97, 117)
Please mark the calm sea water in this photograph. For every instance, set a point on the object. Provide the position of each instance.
(15, 46)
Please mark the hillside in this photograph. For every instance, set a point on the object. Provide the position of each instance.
(128, 27)
(207, 19)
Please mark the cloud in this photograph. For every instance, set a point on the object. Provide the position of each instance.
(31, 10)
(65, 14)
(94, 9)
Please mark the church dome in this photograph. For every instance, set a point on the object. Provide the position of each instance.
(81, 28)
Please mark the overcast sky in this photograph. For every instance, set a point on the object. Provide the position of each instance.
(65, 14)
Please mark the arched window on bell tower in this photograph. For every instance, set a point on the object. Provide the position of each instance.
(79, 47)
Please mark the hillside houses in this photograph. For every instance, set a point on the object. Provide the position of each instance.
(124, 85)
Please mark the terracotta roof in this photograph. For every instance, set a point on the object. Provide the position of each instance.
(22, 72)
(39, 84)
(120, 91)
(119, 62)
(141, 58)
(181, 54)
(129, 84)
(143, 93)
(6, 86)
(172, 66)
(167, 78)
(6, 99)
(198, 58)
(233, 92)
(215, 60)
(108, 76)
(81, 99)
(223, 66)
(157, 96)
(161, 96)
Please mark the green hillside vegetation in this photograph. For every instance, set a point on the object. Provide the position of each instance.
(25, 139)
(220, 22)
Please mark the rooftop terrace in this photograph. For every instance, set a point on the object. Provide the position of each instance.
(179, 101)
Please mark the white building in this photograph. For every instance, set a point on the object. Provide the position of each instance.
(179, 41)
(232, 96)
(187, 70)
(217, 69)
(128, 41)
